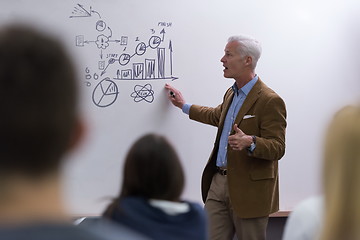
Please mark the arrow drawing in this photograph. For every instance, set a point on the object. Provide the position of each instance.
(171, 52)
(95, 12)
(163, 34)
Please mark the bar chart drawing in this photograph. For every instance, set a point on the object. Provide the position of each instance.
(138, 70)
(155, 68)
(150, 68)
(161, 62)
(125, 74)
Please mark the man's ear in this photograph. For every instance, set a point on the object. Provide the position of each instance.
(248, 61)
(78, 134)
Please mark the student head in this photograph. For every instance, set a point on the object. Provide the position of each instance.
(341, 176)
(38, 102)
(152, 169)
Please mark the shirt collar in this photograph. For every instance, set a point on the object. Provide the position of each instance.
(246, 88)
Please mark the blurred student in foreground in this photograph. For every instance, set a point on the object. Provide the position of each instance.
(39, 124)
(336, 215)
(150, 202)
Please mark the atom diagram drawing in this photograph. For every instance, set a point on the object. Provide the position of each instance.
(143, 93)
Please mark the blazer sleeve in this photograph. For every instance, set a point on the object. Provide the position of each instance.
(209, 115)
(270, 144)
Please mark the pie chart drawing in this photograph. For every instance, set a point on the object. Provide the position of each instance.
(105, 93)
(154, 42)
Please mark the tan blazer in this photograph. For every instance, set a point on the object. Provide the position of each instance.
(252, 178)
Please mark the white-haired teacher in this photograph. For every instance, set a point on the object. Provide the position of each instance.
(240, 184)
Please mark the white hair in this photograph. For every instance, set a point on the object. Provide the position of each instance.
(248, 46)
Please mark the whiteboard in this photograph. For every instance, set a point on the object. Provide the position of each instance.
(125, 51)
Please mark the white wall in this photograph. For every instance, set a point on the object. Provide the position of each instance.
(310, 57)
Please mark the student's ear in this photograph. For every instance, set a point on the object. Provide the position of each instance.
(78, 134)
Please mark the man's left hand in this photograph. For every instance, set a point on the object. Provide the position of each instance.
(239, 140)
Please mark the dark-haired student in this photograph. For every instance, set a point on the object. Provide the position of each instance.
(39, 124)
(150, 200)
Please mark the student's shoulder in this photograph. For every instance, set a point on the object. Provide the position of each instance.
(109, 230)
(196, 207)
(46, 232)
(309, 205)
(305, 220)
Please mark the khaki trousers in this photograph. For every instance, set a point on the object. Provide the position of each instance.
(223, 222)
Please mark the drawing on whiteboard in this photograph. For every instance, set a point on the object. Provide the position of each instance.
(105, 93)
(88, 76)
(143, 93)
(80, 11)
(147, 56)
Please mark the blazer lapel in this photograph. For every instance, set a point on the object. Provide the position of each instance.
(226, 104)
(249, 101)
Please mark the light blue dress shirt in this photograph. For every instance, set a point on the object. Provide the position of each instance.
(237, 102)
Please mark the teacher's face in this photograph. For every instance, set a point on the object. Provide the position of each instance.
(233, 62)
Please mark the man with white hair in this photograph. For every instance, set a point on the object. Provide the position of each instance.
(240, 185)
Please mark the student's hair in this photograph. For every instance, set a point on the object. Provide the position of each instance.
(152, 170)
(341, 176)
(248, 46)
(38, 97)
